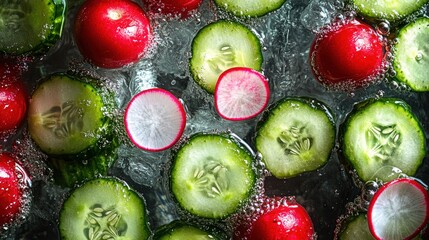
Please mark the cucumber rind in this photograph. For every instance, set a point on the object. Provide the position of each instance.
(183, 230)
(207, 151)
(219, 46)
(106, 193)
(411, 55)
(249, 8)
(407, 156)
(58, 89)
(387, 9)
(284, 115)
(36, 41)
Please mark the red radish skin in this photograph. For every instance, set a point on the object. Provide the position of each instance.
(10, 192)
(13, 97)
(418, 187)
(159, 110)
(174, 7)
(287, 221)
(112, 33)
(347, 55)
(241, 93)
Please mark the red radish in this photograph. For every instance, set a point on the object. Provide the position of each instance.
(13, 97)
(399, 210)
(155, 119)
(241, 93)
(277, 218)
(10, 190)
(174, 7)
(347, 55)
(112, 33)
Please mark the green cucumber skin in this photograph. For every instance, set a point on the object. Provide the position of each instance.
(166, 232)
(56, 22)
(213, 215)
(126, 193)
(72, 172)
(396, 16)
(313, 103)
(344, 152)
(193, 65)
(234, 7)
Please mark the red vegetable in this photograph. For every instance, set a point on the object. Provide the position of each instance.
(347, 55)
(112, 33)
(175, 7)
(10, 191)
(287, 220)
(13, 97)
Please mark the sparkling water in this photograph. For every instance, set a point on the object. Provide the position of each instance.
(286, 36)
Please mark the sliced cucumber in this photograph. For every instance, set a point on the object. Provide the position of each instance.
(391, 10)
(382, 133)
(411, 55)
(104, 208)
(179, 230)
(30, 25)
(66, 116)
(297, 135)
(222, 45)
(249, 8)
(356, 228)
(212, 175)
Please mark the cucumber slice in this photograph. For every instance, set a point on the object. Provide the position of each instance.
(382, 133)
(65, 115)
(30, 25)
(222, 45)
(297, 135)
(249, 8)
(357, 228)
(212, 175)
(179, 230)
(390, 10)
(104, 208)
(411, 55)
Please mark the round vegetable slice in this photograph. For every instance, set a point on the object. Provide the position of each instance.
(212, 175)
(104, 208)
(356, 228)
(155, 119)
(391, 10)
(65, 115)
(399, 210)
(382, 133)
(241, 93)
(30, 25)
(297, 135)
(250, 8)
(222, 45)
(411, 55)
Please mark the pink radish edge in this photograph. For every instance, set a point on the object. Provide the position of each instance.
(411, 181)
(179, 107)
(244, 69)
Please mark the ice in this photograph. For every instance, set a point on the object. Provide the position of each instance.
(319, 13)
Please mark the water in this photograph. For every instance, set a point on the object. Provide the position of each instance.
(286, 36)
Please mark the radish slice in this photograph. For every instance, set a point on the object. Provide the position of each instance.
(154, 119)
(398, 210)
(241, 93)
